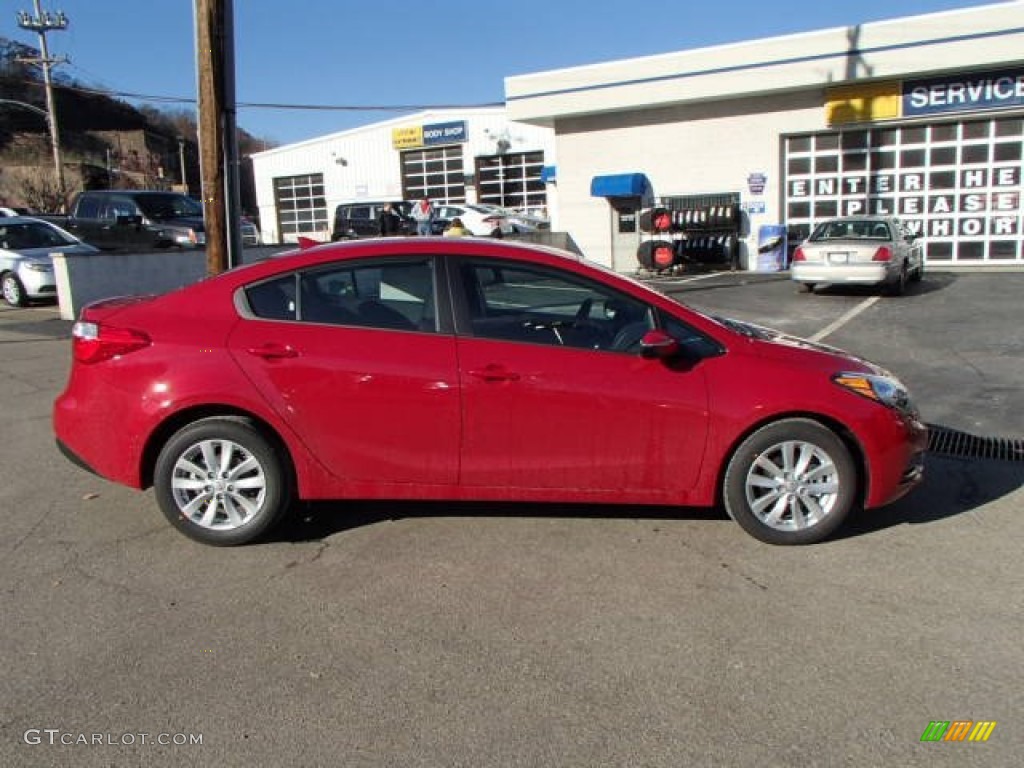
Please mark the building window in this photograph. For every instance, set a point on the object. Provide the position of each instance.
(436, 173)
(301, 205)
(511, 180)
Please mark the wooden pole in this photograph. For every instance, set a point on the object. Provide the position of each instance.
(210, 68)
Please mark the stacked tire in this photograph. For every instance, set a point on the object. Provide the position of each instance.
(658, 254)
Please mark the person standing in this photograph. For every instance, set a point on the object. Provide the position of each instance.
(423, 214)
(389, 222)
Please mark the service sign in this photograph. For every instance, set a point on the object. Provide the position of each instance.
(966, 92)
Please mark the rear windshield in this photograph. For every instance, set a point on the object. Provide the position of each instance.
(857, 230)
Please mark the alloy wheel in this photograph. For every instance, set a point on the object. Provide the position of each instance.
(791, 486)
(218, 484)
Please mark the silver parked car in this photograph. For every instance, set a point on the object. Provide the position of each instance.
(859, 250)
(26, 269)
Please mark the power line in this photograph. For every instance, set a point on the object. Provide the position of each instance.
(272, 105)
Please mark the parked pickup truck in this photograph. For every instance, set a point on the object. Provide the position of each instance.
(143, 219)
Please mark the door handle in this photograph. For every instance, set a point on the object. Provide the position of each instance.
(273, 351)
(494, 372)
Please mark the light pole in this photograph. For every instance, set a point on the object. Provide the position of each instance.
(42, 23)
(181, 156)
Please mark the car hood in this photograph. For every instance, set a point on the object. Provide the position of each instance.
(777, 344)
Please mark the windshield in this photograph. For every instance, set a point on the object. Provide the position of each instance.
(32, 234)
(169, 206)
(860, 229)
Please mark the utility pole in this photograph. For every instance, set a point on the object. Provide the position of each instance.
(218, 143)
(42, 23)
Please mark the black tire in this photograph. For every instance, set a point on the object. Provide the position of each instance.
(918, 274)
(807, 287)
(899, 286)
(14, 291)
(780, 504)
(224, 514)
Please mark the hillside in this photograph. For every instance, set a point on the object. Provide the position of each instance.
(105, 142)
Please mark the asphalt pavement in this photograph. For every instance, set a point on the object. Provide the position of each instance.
(526, 635)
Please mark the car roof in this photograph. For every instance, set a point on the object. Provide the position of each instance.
(135, 192)
(402, 247)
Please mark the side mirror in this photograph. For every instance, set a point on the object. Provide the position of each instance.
(658, 344)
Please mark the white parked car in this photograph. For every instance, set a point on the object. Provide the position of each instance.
(859, 250)
(478, 219)
(520, 221)
(26, 269)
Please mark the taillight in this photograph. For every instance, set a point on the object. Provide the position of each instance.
(94, 342)
(882, 254)
(799, 255)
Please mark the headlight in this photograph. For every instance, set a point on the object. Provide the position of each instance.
(38, 266)
(882, 389)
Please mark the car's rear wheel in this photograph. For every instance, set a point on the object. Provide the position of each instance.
(790, 482)
(221, 482)
(807, 287)
(899, 287)
(14, 291)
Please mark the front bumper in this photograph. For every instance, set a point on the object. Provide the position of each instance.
(38, 284)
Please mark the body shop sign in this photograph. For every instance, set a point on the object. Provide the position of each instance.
(413, 136)
(965, 92)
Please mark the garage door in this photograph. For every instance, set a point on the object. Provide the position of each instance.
(958, 183)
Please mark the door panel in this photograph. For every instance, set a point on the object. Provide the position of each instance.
(557, 417)
(555, 394)
(372, 405)
(350, 355)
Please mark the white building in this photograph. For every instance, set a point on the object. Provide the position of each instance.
(464, 155)
(920, 117)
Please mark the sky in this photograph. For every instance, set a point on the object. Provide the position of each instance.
(375, 53)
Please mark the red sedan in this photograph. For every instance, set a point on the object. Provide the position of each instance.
(429, 368)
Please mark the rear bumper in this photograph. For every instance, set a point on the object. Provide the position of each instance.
(871, 273)
(74, 458)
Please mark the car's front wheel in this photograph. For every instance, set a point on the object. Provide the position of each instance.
(221, 482)
(14, 291)
(790, 482)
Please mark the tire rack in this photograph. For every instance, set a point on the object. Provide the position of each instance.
(702, 231)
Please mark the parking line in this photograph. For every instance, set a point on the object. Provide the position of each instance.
(678, 280)
(836, 325)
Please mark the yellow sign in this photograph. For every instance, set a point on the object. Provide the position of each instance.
(408, 137)
(862, 103)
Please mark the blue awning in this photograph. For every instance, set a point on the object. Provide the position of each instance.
(547, 174)
(620, 185)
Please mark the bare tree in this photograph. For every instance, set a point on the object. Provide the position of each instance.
(41, 193)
